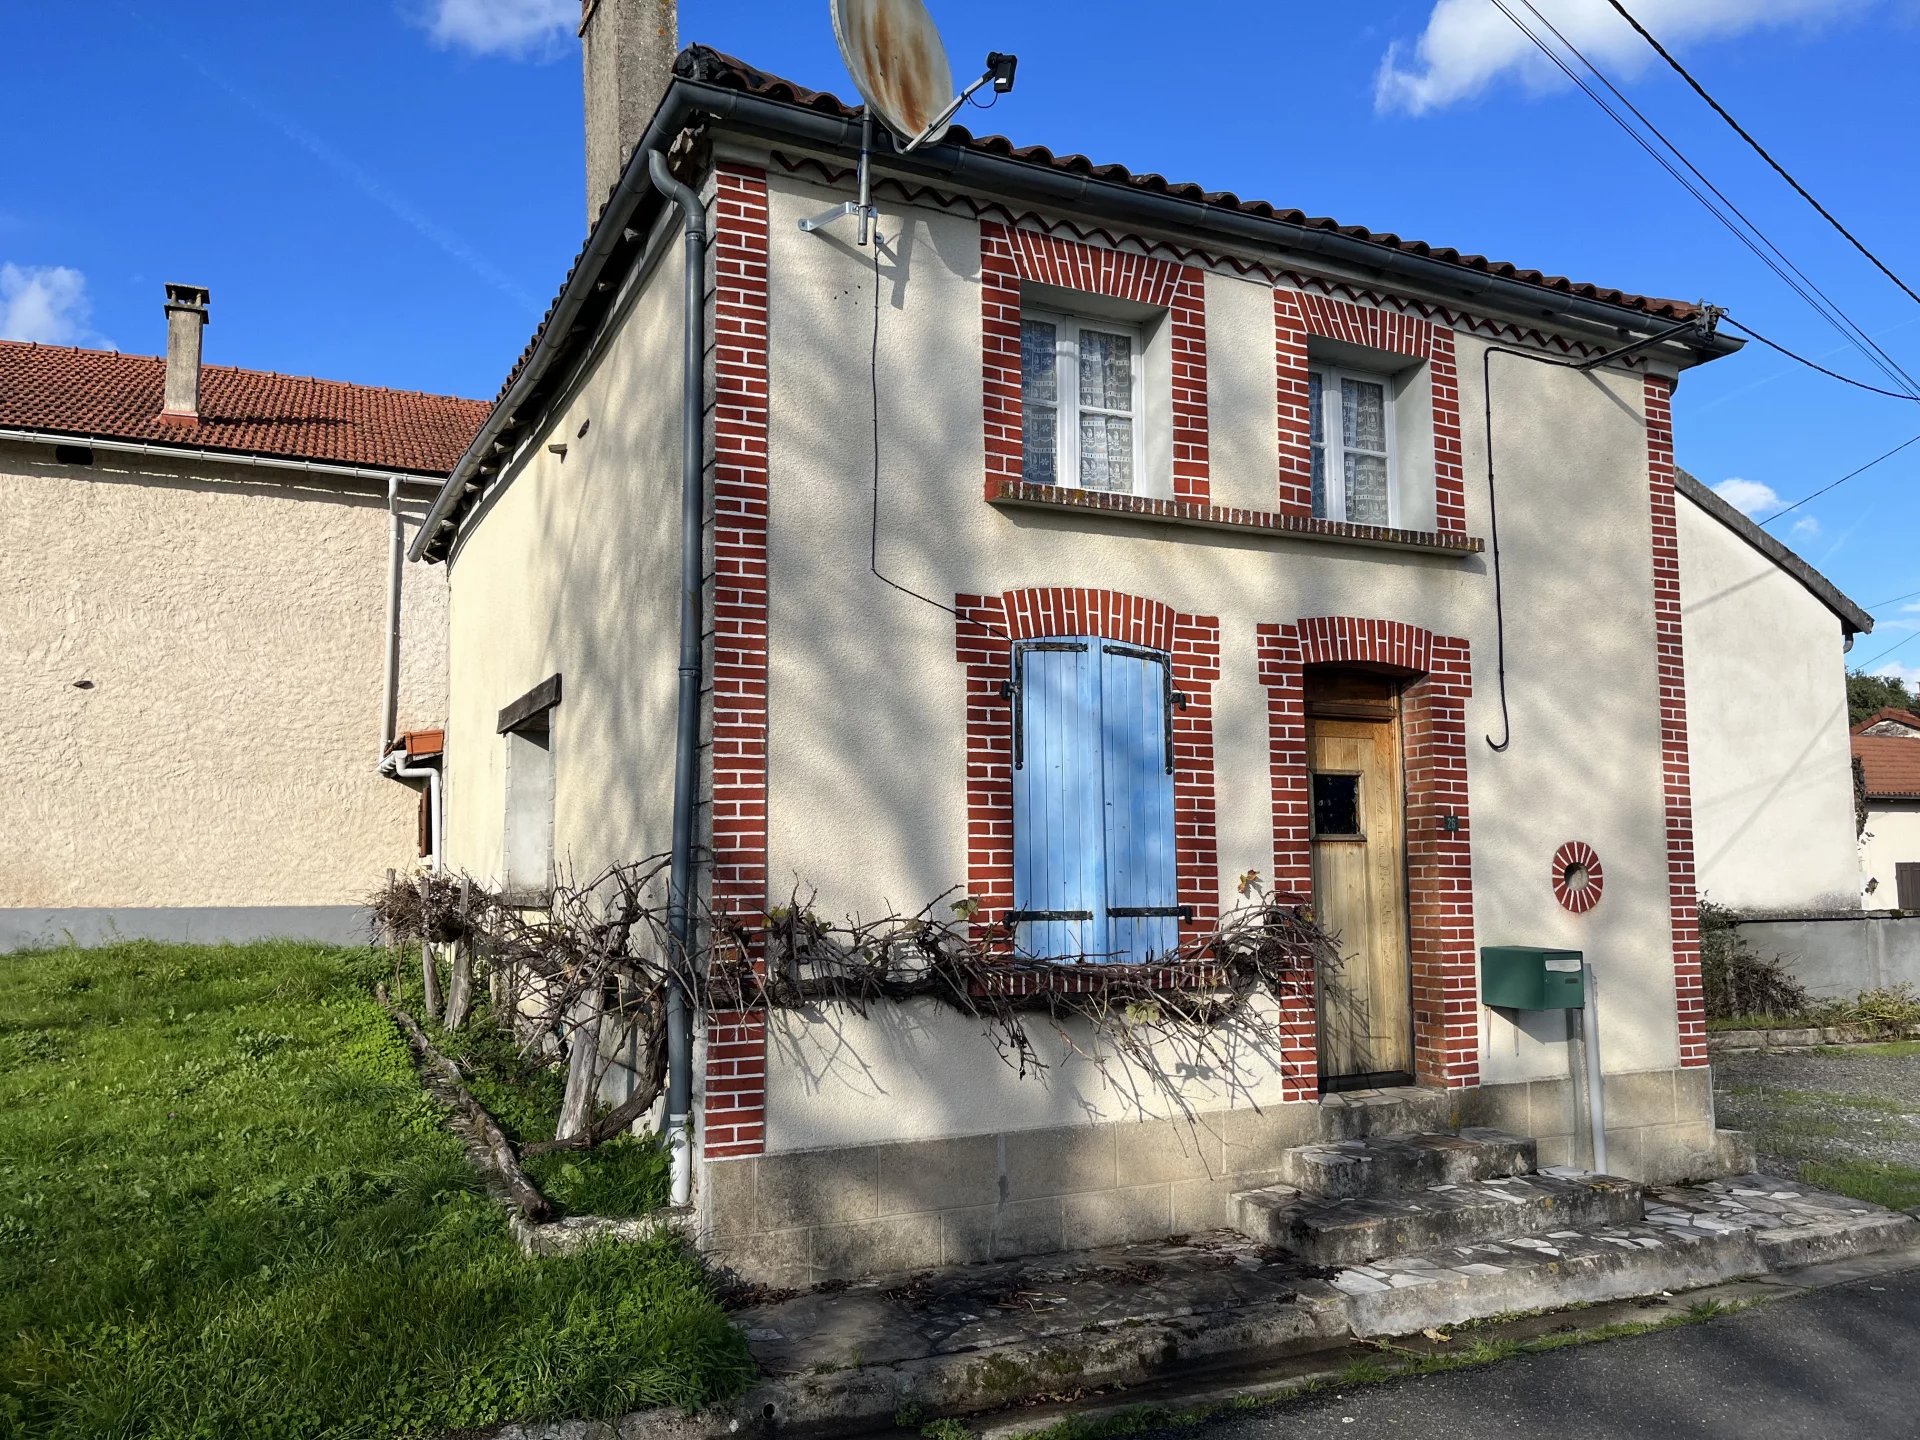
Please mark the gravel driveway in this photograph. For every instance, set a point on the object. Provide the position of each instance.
(1824, 1115)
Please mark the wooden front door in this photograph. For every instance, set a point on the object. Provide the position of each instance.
(1359, 894)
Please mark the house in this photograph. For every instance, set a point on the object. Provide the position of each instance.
(1886, 746)
(202, 603)
(1766, 638)
(1087, 543)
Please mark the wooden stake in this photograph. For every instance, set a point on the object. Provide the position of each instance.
(429, 960)
(460, 991)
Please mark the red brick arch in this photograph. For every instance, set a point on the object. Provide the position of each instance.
(984, 645)
(1439, 860)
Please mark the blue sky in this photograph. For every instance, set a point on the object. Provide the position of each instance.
(389, 191)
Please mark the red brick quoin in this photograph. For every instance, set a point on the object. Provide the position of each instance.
(984, 645)
(1298, 314)
(1433, 737)
(734, 1111)
(1682, 901)
(1008, 256)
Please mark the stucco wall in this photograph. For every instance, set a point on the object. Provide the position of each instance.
(1840, 954)
(1767, 707)
(231, 624)
(867, 751)
(573, 568)
(1892, 836)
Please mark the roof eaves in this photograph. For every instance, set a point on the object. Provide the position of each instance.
(1853, 619)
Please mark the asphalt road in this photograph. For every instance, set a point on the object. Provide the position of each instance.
(1832, 1365)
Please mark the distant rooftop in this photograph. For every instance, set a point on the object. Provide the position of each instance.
(100, 394)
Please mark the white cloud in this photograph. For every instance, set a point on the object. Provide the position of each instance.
(1750, 497)
(1894, 670)
(47, 303)
(1806, 526)
(1468, 44)
(519, 28)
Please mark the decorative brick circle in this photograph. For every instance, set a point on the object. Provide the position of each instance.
(1577, 878)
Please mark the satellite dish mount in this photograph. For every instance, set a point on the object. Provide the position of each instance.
(899, 64)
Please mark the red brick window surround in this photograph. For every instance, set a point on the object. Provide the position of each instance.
(1683, 905)
(1011, 255)
(984, 640)
(1439, 674)
(734, 1103)
(1299, 315)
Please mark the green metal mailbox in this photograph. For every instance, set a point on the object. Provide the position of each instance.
(1531, 977)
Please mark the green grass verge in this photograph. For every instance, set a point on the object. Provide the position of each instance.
(1879, 1182)
(627, 1176)
(1892, 1050)
(227, 1208)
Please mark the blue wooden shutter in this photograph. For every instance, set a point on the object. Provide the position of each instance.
(1142, 887)
(1059, 850)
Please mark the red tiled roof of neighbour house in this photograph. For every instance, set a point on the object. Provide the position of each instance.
(1888, 712)
(104, 395)
(1892, 765)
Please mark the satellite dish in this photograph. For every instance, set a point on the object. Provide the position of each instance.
(894, 53)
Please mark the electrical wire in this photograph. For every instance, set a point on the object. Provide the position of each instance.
(1759, 149)
(1797, 280)
(1894, 601)
(1814, 364)
(873, 533)
(1888, 651)
(1842, 480)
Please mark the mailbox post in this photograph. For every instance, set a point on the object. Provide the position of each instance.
(1538, 977)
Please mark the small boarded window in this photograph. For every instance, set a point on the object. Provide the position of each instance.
(527, 850)
(1906, 878)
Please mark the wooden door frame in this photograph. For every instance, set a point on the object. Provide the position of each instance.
(1436, 676)
(1366, 696)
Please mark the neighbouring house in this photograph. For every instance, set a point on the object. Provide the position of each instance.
(1886, 746)
(1090, 541)
(1765, 638)
(204, 665)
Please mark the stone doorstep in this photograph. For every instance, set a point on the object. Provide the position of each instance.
(1351, 1232)
(1388, 1165)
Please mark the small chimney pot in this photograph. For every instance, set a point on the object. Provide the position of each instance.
(186, 318)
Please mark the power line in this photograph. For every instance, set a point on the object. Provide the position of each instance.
(1760, 149)
(1888, 651)
(1842, 480)
(1895, 601)
(1824, 306)
(1814, 364)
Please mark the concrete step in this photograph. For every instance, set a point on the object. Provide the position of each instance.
(1390, 1165)
(1355, 1230)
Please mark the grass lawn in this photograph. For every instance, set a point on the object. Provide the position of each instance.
(227, 1209)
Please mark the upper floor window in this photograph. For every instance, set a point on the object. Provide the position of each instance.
(1082, 394)
(1354, 471)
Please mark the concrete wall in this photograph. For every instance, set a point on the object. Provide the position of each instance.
(573, 568)
(1767, 712)
(867, 747)
(230, 625)
(802, 1218)
(1840, 954)
(1892, 837)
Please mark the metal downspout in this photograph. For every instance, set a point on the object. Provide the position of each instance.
(686, 773)
(396, 559)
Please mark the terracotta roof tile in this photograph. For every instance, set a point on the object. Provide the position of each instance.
(1888, 712)
(104, 395)
(710, 66)
(1892, 763)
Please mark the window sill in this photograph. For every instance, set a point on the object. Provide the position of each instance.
(1019, 495)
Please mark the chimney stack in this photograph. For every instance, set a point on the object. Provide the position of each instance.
(186, 317)
(626, 62)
